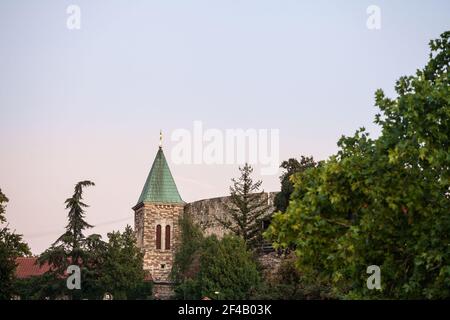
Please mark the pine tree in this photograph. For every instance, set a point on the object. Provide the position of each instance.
(71, 248)
(74, 237)
(248, 208)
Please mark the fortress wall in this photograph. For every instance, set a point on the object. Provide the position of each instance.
(204, 212)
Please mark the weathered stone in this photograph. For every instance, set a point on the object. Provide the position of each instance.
(163, 290)
(149, 215)
(270, 263)
(205, 212)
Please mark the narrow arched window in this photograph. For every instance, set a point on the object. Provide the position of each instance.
(158, 236)
(167, 237)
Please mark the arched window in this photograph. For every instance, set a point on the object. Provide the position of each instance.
(167, 237)
(158, 236)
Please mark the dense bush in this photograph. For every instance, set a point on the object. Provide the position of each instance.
(208, 265)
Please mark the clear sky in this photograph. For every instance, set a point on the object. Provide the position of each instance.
(89, 103)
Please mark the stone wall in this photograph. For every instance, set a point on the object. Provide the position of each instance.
(204, 213)
(163, 290)
(270, 263)
(148, 216)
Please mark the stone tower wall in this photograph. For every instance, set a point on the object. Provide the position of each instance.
(158, 261)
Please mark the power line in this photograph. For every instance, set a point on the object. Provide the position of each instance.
(60, 231)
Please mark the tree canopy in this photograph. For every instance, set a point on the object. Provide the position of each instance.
(113, 267)
(290, 166)
(383, 201)
(72, 247)
(210, 265)
(121, 272)
(11, 247)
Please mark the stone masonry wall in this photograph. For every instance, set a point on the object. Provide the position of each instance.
(158, 261)
(270, 263)
(204, 213)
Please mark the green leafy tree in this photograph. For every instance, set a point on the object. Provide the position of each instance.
(209, 265)
(3, 201)
(11, 247)
(121, 272)
(248, 208)
(186, 256)
(291, 166)
(113, 267)
(96, 251)
(227, 267)
(37, 287)
(382, 202)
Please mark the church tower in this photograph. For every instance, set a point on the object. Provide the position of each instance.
(156, 222)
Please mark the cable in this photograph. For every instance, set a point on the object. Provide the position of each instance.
(55, 232)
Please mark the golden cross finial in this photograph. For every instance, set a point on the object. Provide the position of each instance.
(160, 138)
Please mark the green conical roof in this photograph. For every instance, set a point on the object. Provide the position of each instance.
(160, 186)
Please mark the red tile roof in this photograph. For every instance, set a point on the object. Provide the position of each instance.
(27, 267)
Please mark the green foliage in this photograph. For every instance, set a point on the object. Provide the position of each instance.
(226, 266)
(38, 287)
(185, 263)
(248, 208)
(121, 272)
(3, 201)
(382, 202)
(210, 265)
(141, 291)
(113, 267)
(291, 167)
(71, 248)
(11, 247)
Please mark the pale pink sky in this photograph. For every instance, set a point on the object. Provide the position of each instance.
(89, 103)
